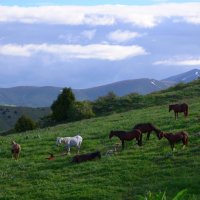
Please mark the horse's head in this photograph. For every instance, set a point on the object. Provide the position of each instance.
(111, 134)
(160, 135)
(59, 140)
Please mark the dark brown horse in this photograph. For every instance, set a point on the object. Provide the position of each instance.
(147, 128)
(86, 157)
(123, 135)
(177, 108)
(175, 138)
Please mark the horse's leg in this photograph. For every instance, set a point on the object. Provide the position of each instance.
(172, 146)
(78, 148)
(122, 144)
(68, 150)
(184, 143)
(141, 139)
(138, 141)
(148, 135)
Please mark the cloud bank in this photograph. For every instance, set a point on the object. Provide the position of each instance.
(66, 52)
(180, 62)
(142, 16)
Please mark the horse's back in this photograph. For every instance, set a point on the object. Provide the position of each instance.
(144, 127)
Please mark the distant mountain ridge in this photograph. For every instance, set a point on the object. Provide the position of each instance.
(31, 96)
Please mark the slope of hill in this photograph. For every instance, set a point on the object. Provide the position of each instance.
(141, 86)
(124, 175)
(9, 115)
(184, 77)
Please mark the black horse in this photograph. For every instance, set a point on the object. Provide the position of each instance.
(86, 157)
(147, 128)
(177, 108)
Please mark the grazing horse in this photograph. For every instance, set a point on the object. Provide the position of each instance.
(147, 128)
(15, 150)
(70, 141)
(123, 135)
(175, 138)
(177, 108)
(86, 157)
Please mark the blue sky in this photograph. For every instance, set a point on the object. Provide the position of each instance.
(80, 46)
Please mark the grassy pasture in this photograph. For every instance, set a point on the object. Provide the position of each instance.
(134, 171)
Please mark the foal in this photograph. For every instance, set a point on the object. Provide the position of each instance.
(175, 138)
(123, 135)
(15, 150)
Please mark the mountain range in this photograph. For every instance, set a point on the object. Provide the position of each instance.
(30, 96)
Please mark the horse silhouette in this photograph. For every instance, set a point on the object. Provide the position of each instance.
(123, 135)
(178, 108)
(147, 128)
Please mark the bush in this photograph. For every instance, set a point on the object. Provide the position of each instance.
(24, 123)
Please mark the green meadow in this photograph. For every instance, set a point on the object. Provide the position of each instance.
(124, 175)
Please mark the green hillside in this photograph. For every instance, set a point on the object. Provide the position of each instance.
(10, 114)
(125, 175)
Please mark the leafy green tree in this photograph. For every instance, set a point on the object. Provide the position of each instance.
(24, 123)
(62, 106)
(81, 110)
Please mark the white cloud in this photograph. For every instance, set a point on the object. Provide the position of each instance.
(122, 36)
(65, 52)
(179, 62)
(143, 16)
(89, 34)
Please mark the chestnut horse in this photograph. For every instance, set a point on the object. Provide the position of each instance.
(15, 150)
(123, 135)
(175, 138)
(177, 108)
(147, 128)
(86, 157)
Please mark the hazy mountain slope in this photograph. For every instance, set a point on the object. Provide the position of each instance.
(29, 96)
(141, 86)
(44, 96)
(184, 77)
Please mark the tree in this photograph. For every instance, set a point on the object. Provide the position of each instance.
(62, 106)
(81, 110)
(24, 123)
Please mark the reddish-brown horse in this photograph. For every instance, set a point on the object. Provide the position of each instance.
(147, 128)
(123, 135)
(178, 108)
(175, 138)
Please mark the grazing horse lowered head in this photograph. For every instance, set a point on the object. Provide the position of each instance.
(147, 128)
(175, 138)
(70, 141)
(123, 135)
(178, 108)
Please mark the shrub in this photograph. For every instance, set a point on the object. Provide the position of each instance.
(24, 123)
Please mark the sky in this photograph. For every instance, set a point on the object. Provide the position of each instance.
(88, 43)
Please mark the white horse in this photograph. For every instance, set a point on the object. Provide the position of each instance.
(70, 141)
